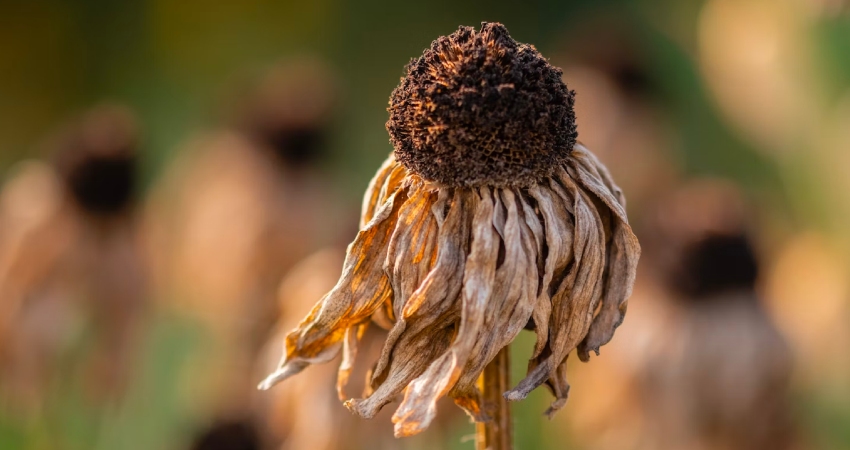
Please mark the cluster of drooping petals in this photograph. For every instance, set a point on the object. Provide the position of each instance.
(456, 273)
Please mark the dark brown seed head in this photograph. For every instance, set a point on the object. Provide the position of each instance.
(478, 108)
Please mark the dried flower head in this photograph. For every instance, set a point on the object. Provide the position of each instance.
(487, 218)
(478, 108)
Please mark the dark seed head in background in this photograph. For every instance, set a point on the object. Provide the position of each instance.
(97, 159)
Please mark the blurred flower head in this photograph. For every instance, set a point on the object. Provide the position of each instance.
(72, 278)
(290, 111)
(97, 157)
(719, 373)
(488, 218)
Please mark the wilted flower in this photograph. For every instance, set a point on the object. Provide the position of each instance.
(719, 375)
(70, 263)
(221, 229)
(488, 218)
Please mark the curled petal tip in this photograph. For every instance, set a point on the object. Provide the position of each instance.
(270, 381)
(555, 407)
(584, 353)
(266, 384)
(514, 396)
(276, 377)
(406, 429)
(361, 407)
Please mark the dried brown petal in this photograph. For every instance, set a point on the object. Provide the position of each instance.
(623, 254)
(559, 229)
(420, 401)
(349, 354)
(513, 300)
(575, 300)
(361, 289)
(456, 273)
(373, 191)
(430, 311)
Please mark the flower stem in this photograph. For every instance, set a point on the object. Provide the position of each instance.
(497, 434)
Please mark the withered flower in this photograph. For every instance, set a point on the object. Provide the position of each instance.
(488, 218)
(719, 373)
(70, 262)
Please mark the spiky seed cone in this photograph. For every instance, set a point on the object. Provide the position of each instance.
(480, 109)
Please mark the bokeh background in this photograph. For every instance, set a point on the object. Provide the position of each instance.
(256, 126)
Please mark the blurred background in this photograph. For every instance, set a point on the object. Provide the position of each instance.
(180, 179)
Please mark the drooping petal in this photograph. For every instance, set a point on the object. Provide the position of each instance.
(560, 388)
(559, 230)
(349, 354)
(424, 329)
(437, 293)
(373, 191)
(394, 181)
(411, 248)
(362, 288)
(623, 255)
(535, 226)
(514, 295)
(419, 406)
(583, 157)
(413, 353)
(574, 302)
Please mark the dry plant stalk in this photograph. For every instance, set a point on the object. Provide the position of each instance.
(497, 434)
(488, 218)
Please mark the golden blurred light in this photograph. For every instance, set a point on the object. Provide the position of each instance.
(751, 55)
(824, 8)
(831, 162)
(809, 293)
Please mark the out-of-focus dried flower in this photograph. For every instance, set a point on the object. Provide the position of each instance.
(720, 377)
(701, 364)
(98, 161)
(221, 223)
(228, 435)
(488, 218)
(70, 259)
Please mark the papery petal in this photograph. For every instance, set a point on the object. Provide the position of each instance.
(424, 329)
(411, 247)
(574, 302)
(559, 230)
(560, 388)
(373, 191)
(623, 256)
(441, 287)
(349, 354)
(585, 158)
(514, 295)
(419, 405)
(362, 288)
(412, 354)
